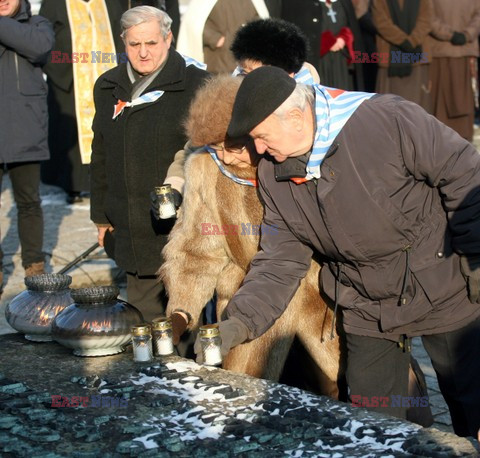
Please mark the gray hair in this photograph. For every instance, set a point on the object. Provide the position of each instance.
(141, 14)
(301, 96)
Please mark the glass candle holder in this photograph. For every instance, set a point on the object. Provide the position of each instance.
(162, 334)
(211, 342)
(142, 343)
(166, 204)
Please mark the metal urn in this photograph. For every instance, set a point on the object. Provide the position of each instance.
(32, 311)
(97, 323)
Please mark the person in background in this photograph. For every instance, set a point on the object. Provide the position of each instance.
(208, 27)
(388, 196)
(334, 35)
(455, 32)
(139, 108)
(403, 28)
(25, 43)
(363, 12)
(92, 28)
(171, 7)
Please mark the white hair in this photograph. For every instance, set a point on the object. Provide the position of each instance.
(141, 14)
(301, 96)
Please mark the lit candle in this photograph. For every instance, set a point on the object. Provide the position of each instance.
(167, 210)
(212, 355)
(163, 346)
(143, 352)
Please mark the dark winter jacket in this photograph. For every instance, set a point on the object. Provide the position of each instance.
(397, 202)
(25, 43)
(131, 155)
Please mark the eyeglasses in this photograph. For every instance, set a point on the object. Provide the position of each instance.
(233, 149)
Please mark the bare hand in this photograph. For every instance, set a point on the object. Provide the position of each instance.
(339, 44)
(101, 233)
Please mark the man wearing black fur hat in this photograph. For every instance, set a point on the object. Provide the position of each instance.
(389, 197)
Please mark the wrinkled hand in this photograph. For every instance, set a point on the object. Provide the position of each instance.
(179, 326)
(339, 45)
(154, 202)
(470, 267)
(458, 39)
(232, 332)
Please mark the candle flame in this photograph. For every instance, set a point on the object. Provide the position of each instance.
(97, 326)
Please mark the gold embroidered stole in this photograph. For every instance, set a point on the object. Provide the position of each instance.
(92, 34)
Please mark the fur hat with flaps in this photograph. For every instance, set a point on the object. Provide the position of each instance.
(271, 42)
(211, 110)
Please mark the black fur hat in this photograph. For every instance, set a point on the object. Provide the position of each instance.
(271, 42)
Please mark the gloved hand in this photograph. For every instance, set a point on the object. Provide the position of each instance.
(458, 39)
(470, 267)
(406, 46)
(154, 202)
(179, 325)
(232, 332)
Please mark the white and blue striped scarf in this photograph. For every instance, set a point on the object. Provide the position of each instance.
(333, 108)
(302, 76)
(151, 96)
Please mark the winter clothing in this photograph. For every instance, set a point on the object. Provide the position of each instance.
(25, 43)
(205, 21)
(25, 179)
(131, 155)
(207, 261)
(385, 236)
(453, 63)
(65, 169)
(333, 67)
(404, 49)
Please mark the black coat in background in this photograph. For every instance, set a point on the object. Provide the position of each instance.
(307, 14)
(65, 168)
(25, 43)
(131, 155)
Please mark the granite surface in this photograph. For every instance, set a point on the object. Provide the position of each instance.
(54, 404)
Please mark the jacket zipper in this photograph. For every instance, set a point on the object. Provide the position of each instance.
(16, 71)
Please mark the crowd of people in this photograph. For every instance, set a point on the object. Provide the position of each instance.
(341, 129)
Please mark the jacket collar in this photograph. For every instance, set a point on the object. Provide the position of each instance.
(295, 167)
(25, 11)
(171, 78)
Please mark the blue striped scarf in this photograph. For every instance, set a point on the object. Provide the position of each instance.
(333, 108)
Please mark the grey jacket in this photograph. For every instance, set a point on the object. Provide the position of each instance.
(397, 202)
(25, 43)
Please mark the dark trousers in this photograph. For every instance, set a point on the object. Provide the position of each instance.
(147, 294)
(25, 178)
(378, 367)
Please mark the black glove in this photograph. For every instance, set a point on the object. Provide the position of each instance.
(470, 267)
(458, 39)
(232, 332)
(406, 46)
(154, 202)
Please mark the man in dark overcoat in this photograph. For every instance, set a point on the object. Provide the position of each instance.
(140, 107)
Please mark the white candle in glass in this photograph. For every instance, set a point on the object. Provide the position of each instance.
(164, 346)
(143, 351)
(167, 209)
(212, 355)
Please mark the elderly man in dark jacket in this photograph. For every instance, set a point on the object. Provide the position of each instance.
(138, 129)
(25, 43)
(390, 198)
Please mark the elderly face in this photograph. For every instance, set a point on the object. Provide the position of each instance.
(284, 137)
(239, 156)
(9, 7)
(146, 47)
